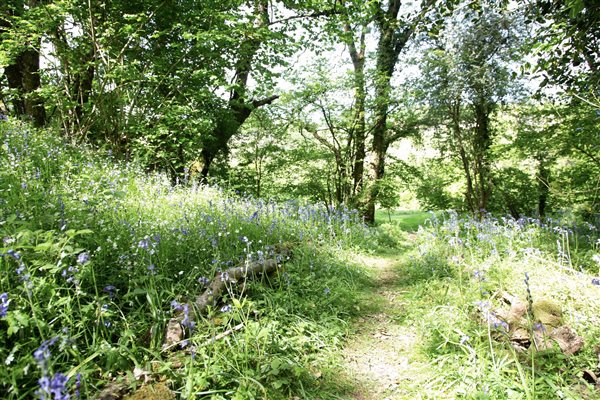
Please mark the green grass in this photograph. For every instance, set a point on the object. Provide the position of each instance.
(454, 279)
(407, 220)
(94, 252)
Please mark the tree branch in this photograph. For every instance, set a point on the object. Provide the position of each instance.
(324, 13)
(265, 101)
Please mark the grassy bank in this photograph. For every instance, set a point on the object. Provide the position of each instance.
(95, 254)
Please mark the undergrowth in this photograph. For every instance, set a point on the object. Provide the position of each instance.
(453, 285)
(94, 254)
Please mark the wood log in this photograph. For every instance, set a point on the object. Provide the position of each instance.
(232, 276)
(175, 332)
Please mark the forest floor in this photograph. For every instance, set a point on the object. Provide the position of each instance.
(382, 357)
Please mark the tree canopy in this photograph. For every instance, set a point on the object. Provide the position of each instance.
(229, 90)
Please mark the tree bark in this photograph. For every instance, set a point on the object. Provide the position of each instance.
(391, 42)
(238, 108)
(543, 176)
(215, 289)
(482, 143)
(23, 75)
(357, 55)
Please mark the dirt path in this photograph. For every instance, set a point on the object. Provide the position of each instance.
(381, 357)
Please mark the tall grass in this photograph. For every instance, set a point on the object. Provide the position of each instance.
(95, 251)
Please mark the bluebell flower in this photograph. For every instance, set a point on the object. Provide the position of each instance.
(143, 244)
(596, 281)
(187, 322)
(538, 326)
(176, 305)
(204, 281)
(53, 389)
(14, 254)
(501, 325)
(77, 385)
(83, 258)
(42, 354)
(110, 289)
(226, 308)
(4, 302)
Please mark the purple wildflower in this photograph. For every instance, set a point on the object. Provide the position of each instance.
(226, 308)
(187, 322)
(596, 281)
(83, 258)
(500, 325)
(143, 244)
(538, 326)
(77, 385)
(110, 289)
(14, 254)
(204, 281)
(4, 302)
(42, 354)
(55, 388)
(176, 305)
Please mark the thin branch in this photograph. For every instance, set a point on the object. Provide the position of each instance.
(315, 14)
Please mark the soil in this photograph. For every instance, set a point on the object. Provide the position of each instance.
(380, 357)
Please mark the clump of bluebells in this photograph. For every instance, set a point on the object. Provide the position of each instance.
(52, 386)
(564, 241)
(4, 303)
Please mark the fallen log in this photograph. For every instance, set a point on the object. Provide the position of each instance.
(175, 331)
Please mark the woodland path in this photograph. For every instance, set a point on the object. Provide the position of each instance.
(381, 357)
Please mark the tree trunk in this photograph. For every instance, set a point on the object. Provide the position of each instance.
(393, 37)
(23, 77)
(454, 110)
(481, 146)
(357, 55)
(238, 109)
(543, 176)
